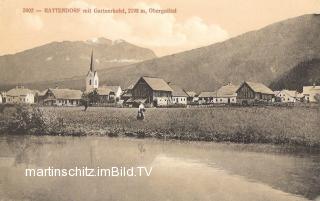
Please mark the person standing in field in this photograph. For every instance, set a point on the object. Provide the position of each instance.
(141, 111)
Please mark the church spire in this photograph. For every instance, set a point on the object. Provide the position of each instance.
(91, 63)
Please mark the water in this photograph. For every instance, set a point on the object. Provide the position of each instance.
(181, 171)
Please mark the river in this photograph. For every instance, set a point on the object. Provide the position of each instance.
(181, 171)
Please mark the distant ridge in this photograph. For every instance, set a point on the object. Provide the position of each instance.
(265, 55)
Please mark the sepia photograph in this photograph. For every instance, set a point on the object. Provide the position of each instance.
(160, 100)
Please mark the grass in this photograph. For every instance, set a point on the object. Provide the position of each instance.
(276, 125)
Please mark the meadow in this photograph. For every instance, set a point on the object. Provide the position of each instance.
(275, 125)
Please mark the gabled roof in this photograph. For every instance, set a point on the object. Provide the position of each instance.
(228, 90)
(104, 91)
(207, 94)
(291, 93)
(177, 91)
(157, 84)
(69, 94)
(191, 93)
(19, 92)
(259, 88)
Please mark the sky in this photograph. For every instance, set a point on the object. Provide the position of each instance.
(197, 23)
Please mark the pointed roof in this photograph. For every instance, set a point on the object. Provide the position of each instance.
(157, 84)
(258, 87)
(91, 63)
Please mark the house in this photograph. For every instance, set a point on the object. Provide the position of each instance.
(117, 91)
(206, 97)
(61, 97)
(288, 96)
(192, 97)
(20, 95)
(179, 96)
(105, 94)
(226, 94)
(250, 92)
(310, 92)
(152, 90)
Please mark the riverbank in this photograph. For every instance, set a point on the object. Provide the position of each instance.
(274, 125)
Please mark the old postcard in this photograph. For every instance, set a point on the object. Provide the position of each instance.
(160, 100)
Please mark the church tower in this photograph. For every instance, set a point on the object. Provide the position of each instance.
(92, 80)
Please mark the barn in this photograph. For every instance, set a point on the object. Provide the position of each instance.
(152, 90)
(250, 92)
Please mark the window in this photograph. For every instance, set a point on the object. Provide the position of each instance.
(90, 82)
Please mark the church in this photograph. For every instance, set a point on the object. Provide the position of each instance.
(92, 80)
(106, 93)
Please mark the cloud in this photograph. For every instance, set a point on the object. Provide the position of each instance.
(161, 32)
(33, 21)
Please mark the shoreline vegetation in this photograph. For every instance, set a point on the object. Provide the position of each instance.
(269, 125)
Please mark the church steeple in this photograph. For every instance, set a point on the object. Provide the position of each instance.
(92, 79)
(91, 63)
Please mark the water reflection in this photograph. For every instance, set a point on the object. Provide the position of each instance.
(181, 171)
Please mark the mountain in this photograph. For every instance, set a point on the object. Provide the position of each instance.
(264, 55)
(304, 74)
(60, 60)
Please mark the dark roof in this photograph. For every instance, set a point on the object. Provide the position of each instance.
(157, 84)
(259, 87)
(66, 94)
(177, 91)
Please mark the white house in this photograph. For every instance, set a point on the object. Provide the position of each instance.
(179, 96)
(192, 97)
(62, 97)
(288, 96)
(20, 95)
(206, 97)
(116, 90)
(226, 94)
(309, 93)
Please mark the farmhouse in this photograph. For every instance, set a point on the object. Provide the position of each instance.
(179, 96)
(61, 97)
(152, 90)
(116, 90)
(226, 94)
(192, 97)
(250, 92)
(20, 95)
(310, 93)
(206, 97)
(288, 96)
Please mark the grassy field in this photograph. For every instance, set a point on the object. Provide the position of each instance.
(277, 125)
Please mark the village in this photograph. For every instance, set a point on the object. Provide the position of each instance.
(157, 92)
